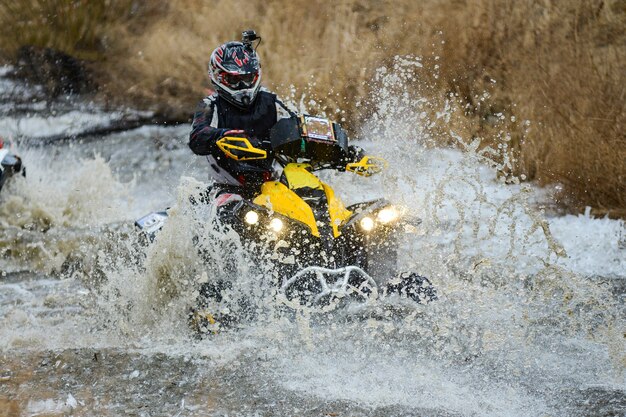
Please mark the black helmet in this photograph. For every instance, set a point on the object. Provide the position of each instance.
(235, 71)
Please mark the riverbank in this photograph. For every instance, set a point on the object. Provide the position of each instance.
(528, 320)
(542, 84)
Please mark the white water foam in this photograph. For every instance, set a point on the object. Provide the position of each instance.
(516, 326)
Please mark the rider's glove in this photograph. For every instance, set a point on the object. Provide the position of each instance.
(235, 133)
(353, 154)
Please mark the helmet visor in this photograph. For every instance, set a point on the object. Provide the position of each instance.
(239, 81)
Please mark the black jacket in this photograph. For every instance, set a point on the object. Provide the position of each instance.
(214, 116)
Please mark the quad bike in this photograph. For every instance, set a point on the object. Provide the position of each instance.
(10, 163)
(323, 250)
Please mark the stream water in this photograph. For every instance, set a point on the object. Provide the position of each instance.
(530, 319)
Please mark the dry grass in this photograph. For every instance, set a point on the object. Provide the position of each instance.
(564, 65)
(77, 27)
(559, 64)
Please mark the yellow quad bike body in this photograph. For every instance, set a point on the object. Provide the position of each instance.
(319, 245)
(321, 249)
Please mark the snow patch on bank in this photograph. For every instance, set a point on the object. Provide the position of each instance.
(68, 124)
(29, 113)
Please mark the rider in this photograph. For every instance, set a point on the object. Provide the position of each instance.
(240, 108)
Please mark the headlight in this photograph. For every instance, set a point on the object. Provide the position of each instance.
(252, 217)
(276, 225)
(388, 215)
(367, 223)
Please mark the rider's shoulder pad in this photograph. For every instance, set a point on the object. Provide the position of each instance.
(210, 100)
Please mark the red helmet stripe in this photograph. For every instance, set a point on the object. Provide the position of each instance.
(236, 58)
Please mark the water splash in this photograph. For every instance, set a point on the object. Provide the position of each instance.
(513, 333)
(57, 213)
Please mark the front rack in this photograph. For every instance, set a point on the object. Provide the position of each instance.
(340, 288)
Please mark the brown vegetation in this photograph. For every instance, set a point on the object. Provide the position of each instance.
(559, 64)
(78, 28)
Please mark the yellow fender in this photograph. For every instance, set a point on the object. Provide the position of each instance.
(338, 212)
(299, 176)
(277, 197)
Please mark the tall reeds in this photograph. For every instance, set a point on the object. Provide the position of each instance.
(560, 65)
